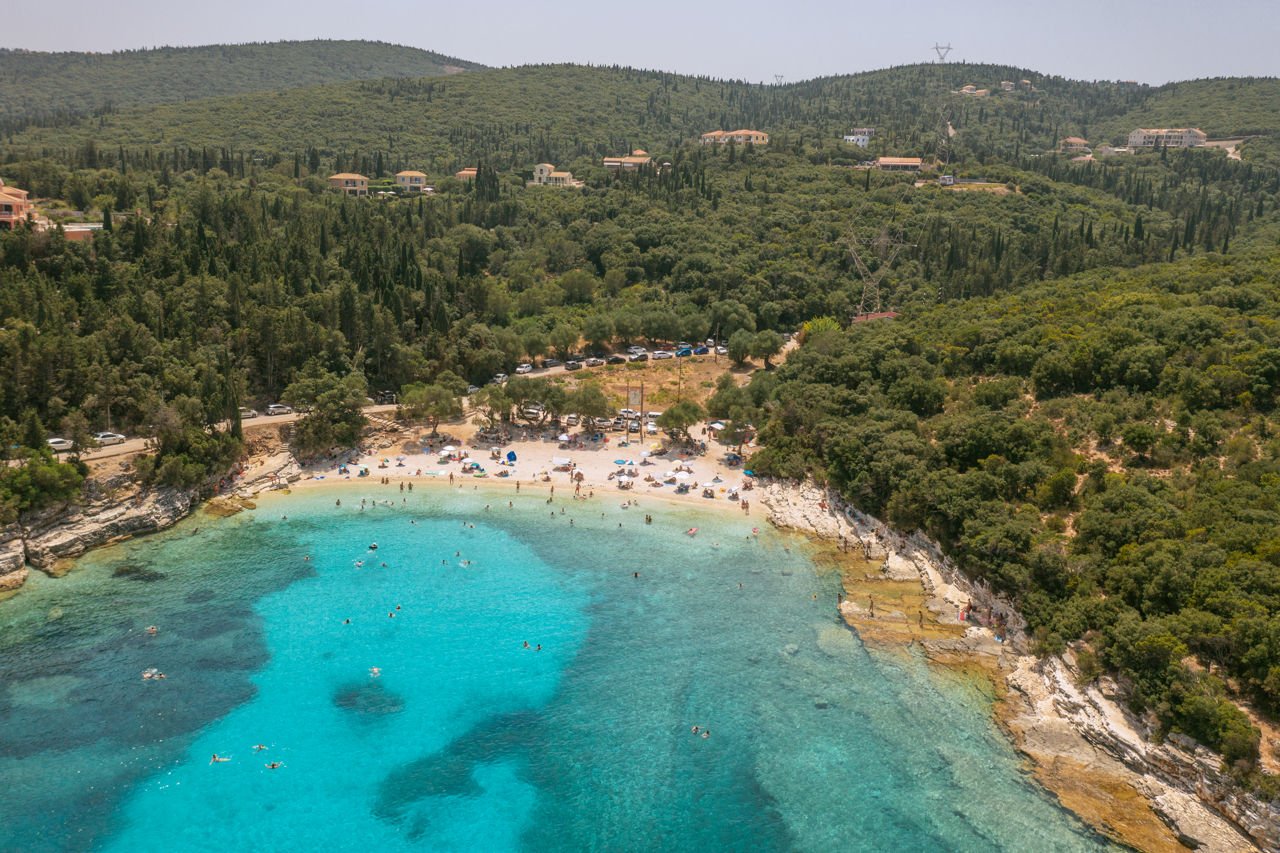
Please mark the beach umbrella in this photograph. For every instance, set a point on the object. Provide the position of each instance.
(620, 462)
(564, 436)
(682, 475)
(644, 454)
(623, 478)
(511, 456)
(448, 448)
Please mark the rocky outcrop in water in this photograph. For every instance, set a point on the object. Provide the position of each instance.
(55, 534)
(13, 558)
(1083, 744)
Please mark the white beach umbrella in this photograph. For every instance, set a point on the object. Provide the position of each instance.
(448, 448)
(682, 475)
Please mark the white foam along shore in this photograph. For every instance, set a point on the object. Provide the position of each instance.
(1080, 735)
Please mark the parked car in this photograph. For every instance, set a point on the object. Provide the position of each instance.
(106, 439)
(594, 362)
(279, 409)
(616, 358)
(684, 352)
(471, 389)
(635, 350)
(633, 426)
(650, 428)
(246, 414)
(58, 445)
(641, 356)
(653, 416)
(659, 355)
(524, 368)
(499, 378)
(628, 413)
(573, 365)
(571, 420)
(722, 350)
(551, 362)
(387, 398)
(700, 350)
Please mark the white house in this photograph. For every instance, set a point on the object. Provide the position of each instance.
(1167, 137)
(860, 136)
(545, 175)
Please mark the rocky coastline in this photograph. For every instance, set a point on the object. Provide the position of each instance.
(1079, 739)
(114, 509)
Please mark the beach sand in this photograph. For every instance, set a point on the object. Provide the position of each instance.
(413, 456)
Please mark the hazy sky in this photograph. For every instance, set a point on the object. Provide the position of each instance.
(1151, 41)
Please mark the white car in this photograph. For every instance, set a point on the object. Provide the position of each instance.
(722, 350)
(524, 368)
(106, 439)
(58, 445)
(279, 409)
(245, 414)
(659, 355)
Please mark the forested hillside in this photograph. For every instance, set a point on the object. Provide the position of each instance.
(1078, 400)
(47, 87)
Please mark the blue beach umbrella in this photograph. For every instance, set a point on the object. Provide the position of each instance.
(511, 456)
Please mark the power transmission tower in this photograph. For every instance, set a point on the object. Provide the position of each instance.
(942, 50)
(882, 250)
(777, 79)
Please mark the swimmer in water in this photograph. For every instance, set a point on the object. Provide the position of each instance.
(274, 765)
(152, 630)
(375, 671)
(259, 747)
(219, 759)
(695, 729)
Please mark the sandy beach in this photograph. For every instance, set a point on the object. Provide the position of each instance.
(613, 467)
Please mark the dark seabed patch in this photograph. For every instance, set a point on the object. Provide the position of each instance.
(368, 700)
(134, 572)
(450, 772)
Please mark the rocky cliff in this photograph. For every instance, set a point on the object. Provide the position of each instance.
(1084, 746)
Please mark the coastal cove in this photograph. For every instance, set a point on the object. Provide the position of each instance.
(465, 738)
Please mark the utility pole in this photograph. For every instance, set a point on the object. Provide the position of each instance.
(884, 248)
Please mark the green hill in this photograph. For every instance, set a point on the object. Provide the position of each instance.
(41, 86)
(514, 117)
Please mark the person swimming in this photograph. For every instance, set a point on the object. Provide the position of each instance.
(152, 630)
(375, 671)
(274, 765)
(259, 747)
(219, 759)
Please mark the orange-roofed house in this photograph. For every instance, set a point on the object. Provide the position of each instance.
(350, 183)
(14, 207)
(629, 163)
(467, 174)
(899, 164)
(1074, 145)
(739, 137)
(411, 181)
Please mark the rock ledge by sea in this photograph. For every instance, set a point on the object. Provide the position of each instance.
(1082, 743)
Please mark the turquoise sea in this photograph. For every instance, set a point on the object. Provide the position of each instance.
(465, 739)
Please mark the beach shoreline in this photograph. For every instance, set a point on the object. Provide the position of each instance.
(1080, 742)
(899, 592)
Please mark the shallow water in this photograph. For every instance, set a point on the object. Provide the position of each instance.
(466, 740)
